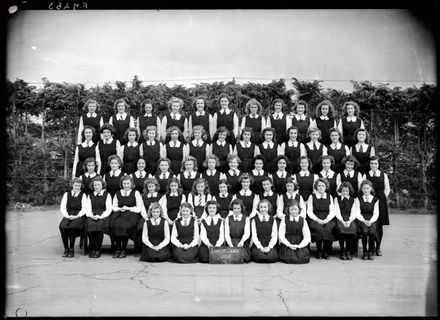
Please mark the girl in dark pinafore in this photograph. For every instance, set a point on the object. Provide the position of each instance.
(89, 167)
(224, 198)
(301, 120)
(152, 149)
(327, 173)
(147, 119)
(198, 197)
(246, 150)
(315, 149)
(130, 152)
(150, 193)
(250, 199)
(281, 175)
(198, 147)
(174, 149)
(337, 150)
(237, 229)
(212, 175)
(114, 176)
(121, 120)
(233, 174)
(211, 231)
(269, 149)
(350, 174)
(140, 175)
(91, 118)
(175, 119)
(362, 151)
(221, 148)
(85, 150)
(257, 174)
(201, 117)
(254, 120)
(325, 119)
(271, 196)
(188, 174)
(264, 235)
(227, 118)
(185, 236)
(279, 121)
(172, 200)
(350, 122)
(107, 147)
(292, 149)
(291, 194)
(304, 178)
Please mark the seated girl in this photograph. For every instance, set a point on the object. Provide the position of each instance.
(211, 231)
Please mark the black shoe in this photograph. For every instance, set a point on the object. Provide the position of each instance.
(325, 255)
(378, 252)
(343, 257)
(71, 253)
(66, 253)
(97, 254)
(319, 256)
(116, 254)
(364, 256)
(123, 254)
(370, 255)
(349, 256)
(91, 254)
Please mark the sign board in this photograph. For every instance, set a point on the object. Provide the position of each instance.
(226, 255)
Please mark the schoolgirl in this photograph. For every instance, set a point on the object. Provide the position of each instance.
(291, 194)
(315, 149)
(325, 119)
(188, 174)
(127, 206)
(212, 175)
(237, 229)
(350, 122)
(198, 198)
(350, 174)
(269, 149)
(163, 174)
(121, 120)
(84, 150)
(279, 121)
(254, 120)
(233, 174)
(381, 186)
(292, 149)
(346, 209)
(91, 118)
(281, 175)
(264, 235)
(150, 195)
(294, 236)
(130, 152)
(221, 148)
(367, 216)
(246, 150)
(227, 118)
(89, 167)
(99, 208)
(201, 117)
(171, 200)
(155, 236)
(271, 196)
(114, 176)
(174, 149)
(198, 147)
(337, 150)
(250, 199)
(140, 175)
(146, 119)
(185, 236)
(362, 151)
(211, 231)
(257, 174)
(107, 146)
(301, 120)
(327, 173)
(175, 119)
(73, 207)
(304, 178)
(224, 198)
(321, 213)
(152, 149)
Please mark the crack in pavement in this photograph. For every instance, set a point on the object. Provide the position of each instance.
(284, 302)
(24, 290)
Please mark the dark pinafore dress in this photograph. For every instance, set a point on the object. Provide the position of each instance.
(213, 234)
(198, 210)
(363, 158)
(280, 127)
(139, 182)
(233, 182)
(325, 126)
(332, 184)
(163, 183)
(175, 154)
(120, 127)
(83, 154)
(264, 234)
(345, 208)
(187, 183)
(86, 183)
(98, 207)
(113, 183)
(145, 122)
(199, 153)
(314, 155)
(124, 224)
(353, 181)
(379, 188)
(212, 181)
(73, 207)
(305, 185)
(147, 202)
(185, 235)
(178, 123)
(321, 208)
(286, 200)
(303, 126)
(348, 129)
(246, 155)
(294, 235)
(236, 232)
(255, 125)
(224, 204)
(292, 153)
(248, 202)
(151, 155)
(256, 186)
(156, 235)
(227, 120)
(269, 154)
(367, 209)
(273, 202)
(130, 158)
(93, 122)
(279, 184)
(105, 151)
(204, 122)
(173, 205)
(338, 155)
(222, 153)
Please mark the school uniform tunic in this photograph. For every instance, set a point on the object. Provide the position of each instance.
(222, 153)
(224, 204)
(367, 210)
(173, 205)
(269, 153)
(325, 125)
(156, 236)
(314, 154)
(379, 188)
(233, 181)
(144, 122)
(292, 153)
(226, 120)
(332, 182)
(124, 224)
(338, 154)
(175, 154)
(321, 209)
(248, 202)
(163, 181)
(280, 127)
(345, 206)
(130, 158)
(73, 206)
(98, 206)
(236, 233)
(213, 235)
(279, 181)
(293, 233)
(94, 122)
(120, 127)
(187, 181)
(305, 184)
(202, 120)
(198, 152)
(263, 233)
(246, 155)
(138, 180)
(303, 126)
(105, 151)
(352, 179)
(348, 129)
(148, 199)
(113, 182)
(151, 154)
(180, 123)
(255, 125)
(256, 186)
(86, 178)
(83, 154)
(212, 180)
(185, 234)
(363, 158)
(273, 198)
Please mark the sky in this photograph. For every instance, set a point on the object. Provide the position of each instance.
(194, 46)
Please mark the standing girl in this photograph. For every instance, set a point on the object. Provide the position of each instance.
(271, 196)
(337, 150)
(150, 194)
(212, 175)
(264, 235)
(350, 174)
(233, 174)
(201, 117)
(328, 173)
(258, 174)
(185, 236)
(89, 167)
(175, 119)
(199, 197)
(237, 229)
(367, 216)
(114, 176)
(227, 118)
(174, 149)
(350, 122)
(121, 120)
(315, 149)
(211, 231)
(198, 147)
(291, 194)
(130, 152)
(146, 119)
(301, 120)
(152, 149)
(84, 150)
(292, 149)
(325, 120)
(140, 175)
(250, 199)
(73, 207)
(254, 120)
(224, 198)
(246, 150)
(304, 178)
(269, 149)
(155, 236)
(163, 174)
(362, 151)
(281, 175)
(107, 146)
(221, 148)
(91, 118)
(172, 200)
(279, 121)
(188, 174)
(294, 236)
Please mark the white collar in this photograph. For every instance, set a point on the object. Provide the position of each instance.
(132, 144)
(351, 173)
(227, 110)
(371, 172)
(281, 174)
(293, 195)
(310, 144)
(98, 194)
(304, 173)
(208, 171)
(322, 117)
(115, 173)
(320, 196)
(123, 191)
(192, 174)
(338, 145)
(167, 174)
(279, 114)
(200, 113)
(140, 174)
(221, 143)
(300, 117)
(108, 141)
(266, 216)
(223, 195)
(87, 144)
(91, 115)
(73, 193)
(176, 115)
(351, 118)
(195, 143)
(151, 195)
(256, 173)
(245, 144)
(268, 194)
(330, 173)
(291, 143)
(154, 220)
(121, 115)
(265, 144)
(171, 143)
(246, 193)
(236, 173)
(238, 218)
(153, 142)
(174, 194)
(345, 197)
(215, 218)
(148, 115)
(254, 116)
(292, 218)
(369, 198)
(88, 175)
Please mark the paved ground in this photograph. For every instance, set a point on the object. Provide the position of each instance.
(403, 282)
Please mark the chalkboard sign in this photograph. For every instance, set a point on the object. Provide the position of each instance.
(226, 255)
